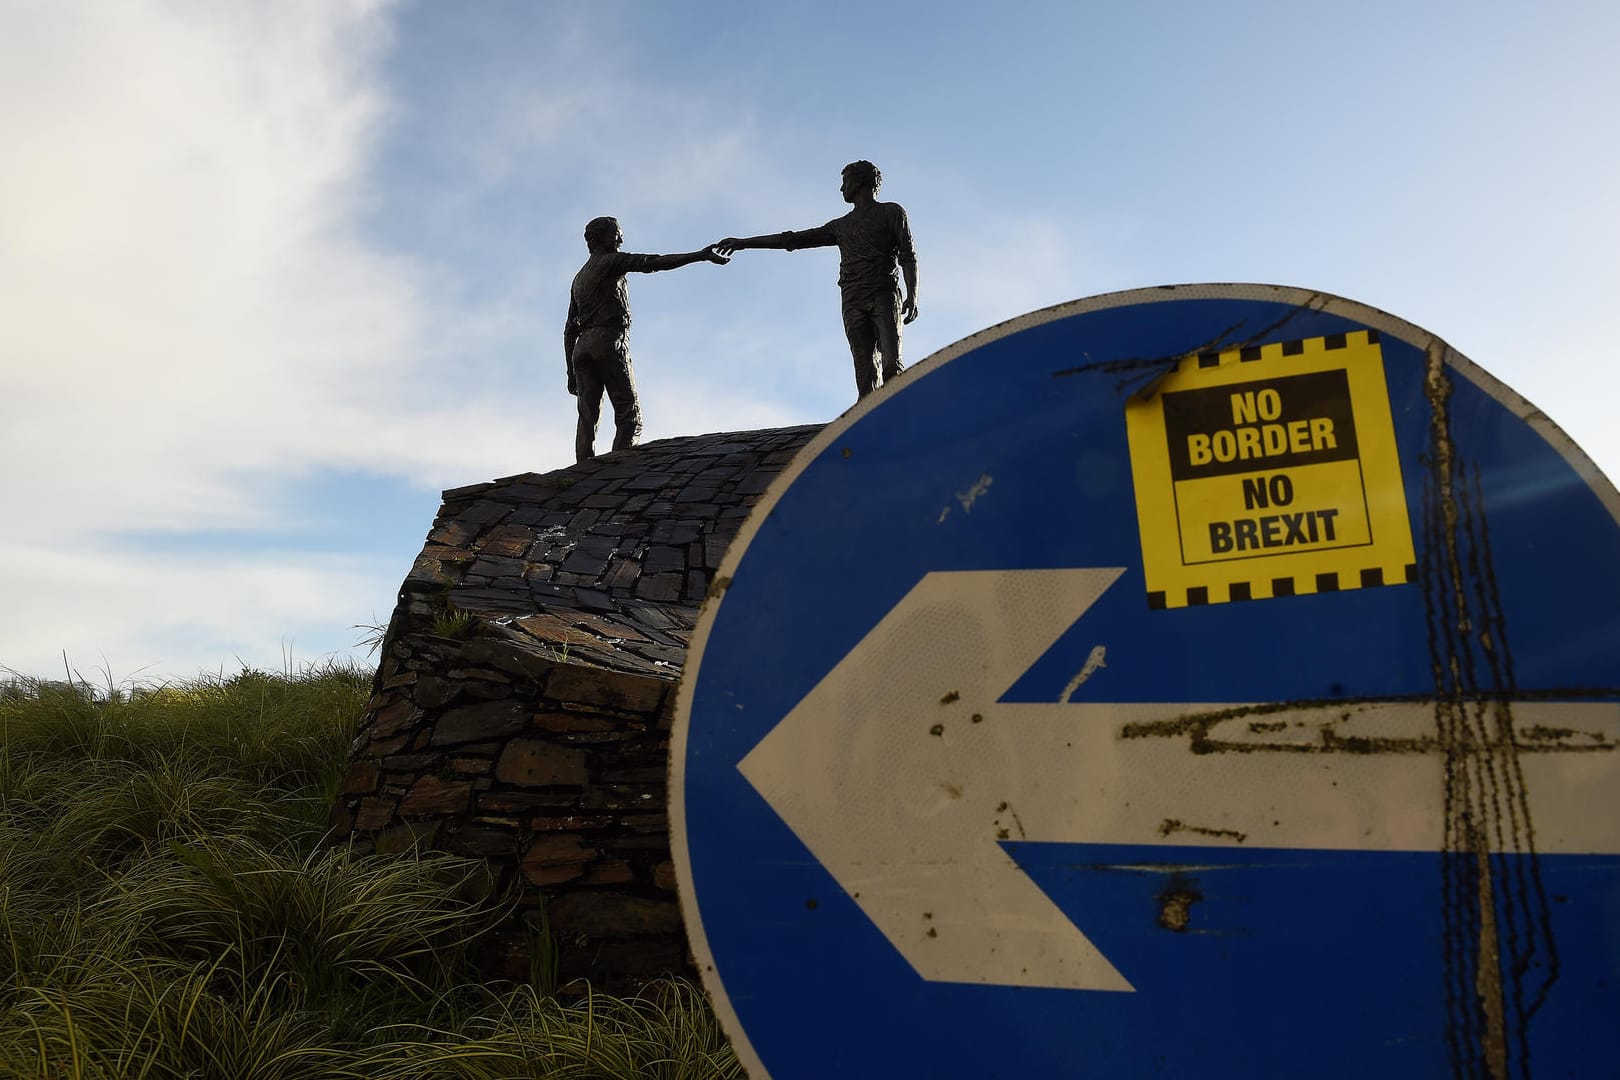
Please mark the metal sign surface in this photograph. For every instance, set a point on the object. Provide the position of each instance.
(1193, 682)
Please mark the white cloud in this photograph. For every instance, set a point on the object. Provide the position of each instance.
(136, 614)
(185, 300)
(188, 314)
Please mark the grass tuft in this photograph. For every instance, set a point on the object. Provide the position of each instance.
(169, 907)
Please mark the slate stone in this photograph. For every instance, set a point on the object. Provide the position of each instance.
(557, 848)
(697, 586)
(552, 595)
(509, 656)
(361, 779)
(481, 841)
(593, 600)
(714, 549)
(508, 540)
(494, 566)
(521, 802)
(394, 717)
(490, 600)
(374, 812)
(664, 876)
(649, 615)
(662, 559)
(648, 823)
(431, 795)
(526, 491)
(581, 561)
(410, 762)
(571, 823)
(470, 723)
(660, 586)
(613, 914)
(539, 763)
(455, 494)
(574, 683)
(697, 493)
(484, 513)
(583, 520)
(433, 692)
(608, 872)
(531, 515)
(649, 481)
(674, 656)
(676, 531)
(602, 544)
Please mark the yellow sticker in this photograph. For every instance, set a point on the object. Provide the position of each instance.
(1270, 471)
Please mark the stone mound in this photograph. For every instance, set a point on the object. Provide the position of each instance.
(526, 687)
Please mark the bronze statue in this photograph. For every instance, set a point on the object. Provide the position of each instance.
(596, 338)
(871, 239)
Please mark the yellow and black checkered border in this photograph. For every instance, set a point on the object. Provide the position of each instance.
(1301, 347)
(1290, 585)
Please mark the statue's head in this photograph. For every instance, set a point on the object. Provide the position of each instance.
(860, 176)
(603, 234)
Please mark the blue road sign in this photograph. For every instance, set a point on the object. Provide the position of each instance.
(1211, 681)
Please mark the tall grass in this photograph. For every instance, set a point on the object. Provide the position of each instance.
(171, 908)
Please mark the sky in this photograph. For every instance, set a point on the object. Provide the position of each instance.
(273, 274)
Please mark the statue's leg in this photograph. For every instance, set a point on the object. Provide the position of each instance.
(886, 325)
(863, 342)
(588, 380)
(620, 379)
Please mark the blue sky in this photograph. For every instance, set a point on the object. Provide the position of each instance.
(273, 274)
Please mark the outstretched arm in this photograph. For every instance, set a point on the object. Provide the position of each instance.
(648, 264)
(783, 241)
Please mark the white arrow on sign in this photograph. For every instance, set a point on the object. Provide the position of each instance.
(901, 773)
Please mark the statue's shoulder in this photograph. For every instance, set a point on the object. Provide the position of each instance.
(599, 263)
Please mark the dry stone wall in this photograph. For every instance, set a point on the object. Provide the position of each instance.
(523, 701)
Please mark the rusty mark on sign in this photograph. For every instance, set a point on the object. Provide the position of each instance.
(1499, 953)
(1353, 726)
(1176, 902)
(1005, 833)
(1170, 826)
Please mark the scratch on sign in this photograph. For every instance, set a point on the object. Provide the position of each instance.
(967, 498)
(1097, 659)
